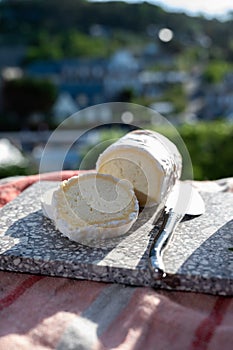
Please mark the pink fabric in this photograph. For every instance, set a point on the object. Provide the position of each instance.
(39, 312)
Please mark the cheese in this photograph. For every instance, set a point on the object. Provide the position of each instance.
(150, 161)
(92, 206)
(46, 203)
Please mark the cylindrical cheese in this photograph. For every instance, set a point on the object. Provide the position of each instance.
(150, 161)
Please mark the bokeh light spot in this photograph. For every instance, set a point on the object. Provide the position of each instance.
(165, 35)
(127, 117)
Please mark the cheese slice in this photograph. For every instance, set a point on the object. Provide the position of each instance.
(92, 206)
(150, 161)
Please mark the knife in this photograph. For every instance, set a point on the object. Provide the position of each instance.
(183, 200)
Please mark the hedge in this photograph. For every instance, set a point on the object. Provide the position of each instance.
(210, 145)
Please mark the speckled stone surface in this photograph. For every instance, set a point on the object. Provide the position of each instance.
(198, 258)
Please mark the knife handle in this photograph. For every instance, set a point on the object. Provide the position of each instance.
(171, 220)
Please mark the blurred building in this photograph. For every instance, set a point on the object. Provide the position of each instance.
(122, 73)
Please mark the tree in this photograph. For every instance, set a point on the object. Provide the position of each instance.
(215, 71)
(25, 96)
(126, 95)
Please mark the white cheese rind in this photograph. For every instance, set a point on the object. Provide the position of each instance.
(92, 217)
(46, 203)
(150, 161)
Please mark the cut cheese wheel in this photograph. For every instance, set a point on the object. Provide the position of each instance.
(150, 161)
(92, 206)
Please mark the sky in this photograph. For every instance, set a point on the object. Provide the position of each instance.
(210, 8)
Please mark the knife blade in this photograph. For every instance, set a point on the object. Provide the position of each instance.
(183, 200)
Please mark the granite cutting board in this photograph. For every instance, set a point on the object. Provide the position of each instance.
(199, 258)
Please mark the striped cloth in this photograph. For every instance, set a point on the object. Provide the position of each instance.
(41, 313)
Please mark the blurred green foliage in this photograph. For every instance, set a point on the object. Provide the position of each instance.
(211, 149)
(210, 145)
(70, 23)
(174, 94)
(215, 71)
(75, 43)
(70, 43)
(15, 170)
(177, 96)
